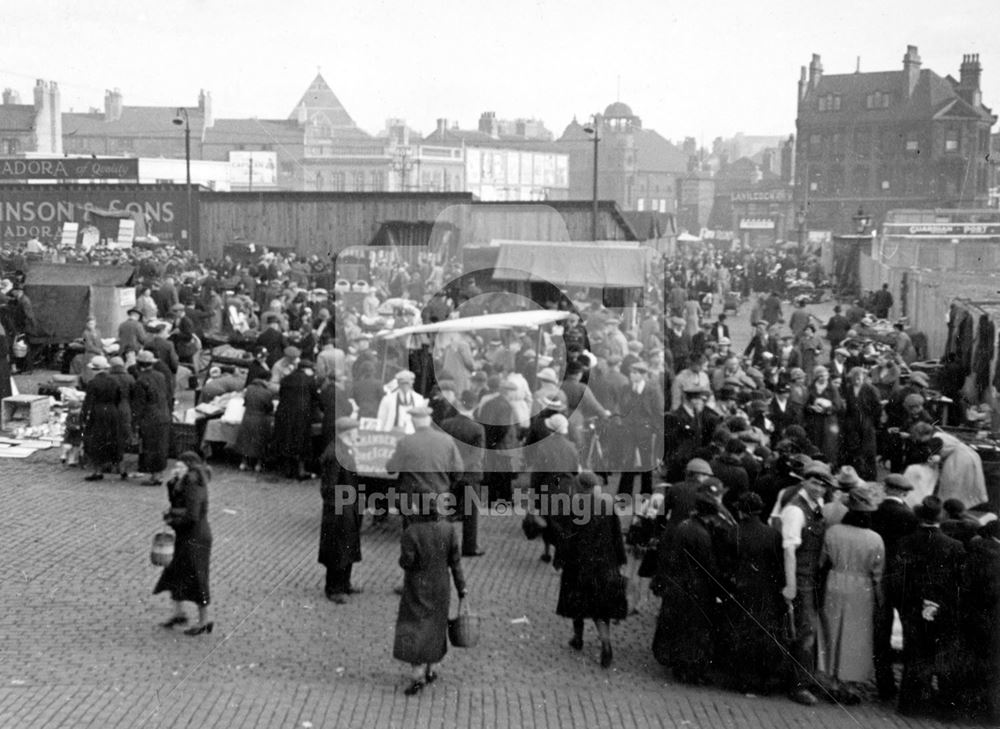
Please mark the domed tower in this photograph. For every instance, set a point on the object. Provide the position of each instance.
(618, 131)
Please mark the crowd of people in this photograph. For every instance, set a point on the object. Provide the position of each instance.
(793, 494)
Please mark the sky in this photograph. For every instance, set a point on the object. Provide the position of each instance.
(701, 69)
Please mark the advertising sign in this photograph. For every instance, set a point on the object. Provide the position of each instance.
(372, 449)
(39, 211)
(69, 168)
(253, 169)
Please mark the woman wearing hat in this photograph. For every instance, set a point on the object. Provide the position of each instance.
(821, 414)
(855, 558)
(553, 460)
(186, 577)
(591, 553)
(103, 444)
(862, 415)
(151, 417)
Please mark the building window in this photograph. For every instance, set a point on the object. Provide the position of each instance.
(640, 204)
(928, 256)
(10, 147)
(339, 181)
(319, 180)
(877, 100)
(836, 102)
(815, 143)
(951, 140)
(912, 143)
(359, 181)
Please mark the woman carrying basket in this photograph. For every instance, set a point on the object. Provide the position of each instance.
(429, 549)
(186, 577)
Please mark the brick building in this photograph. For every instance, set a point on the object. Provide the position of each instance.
(501, 160)
(890, 139)
(35, 127)
(637, 168)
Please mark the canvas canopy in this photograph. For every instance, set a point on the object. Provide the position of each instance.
(523, 319)
(572, 264)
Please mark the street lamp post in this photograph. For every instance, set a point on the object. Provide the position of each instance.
(592, 128)
(181, 118)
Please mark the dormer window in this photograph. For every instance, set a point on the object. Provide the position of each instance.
(877, 100)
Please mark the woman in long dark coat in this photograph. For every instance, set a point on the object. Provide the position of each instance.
(298, 407)
(186, 577)
(125, 383)
(755, 612)
(821, 415)
(151, 417)
(428, 551)
(554, 462)
(253, 439)
(340, 529)
(103, 442)
(862, 413)
(591, 552)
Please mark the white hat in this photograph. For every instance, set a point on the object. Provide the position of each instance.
(557, 423)
(547, 374)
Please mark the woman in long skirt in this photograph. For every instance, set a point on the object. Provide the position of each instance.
(428, 551)
(591, 553)
(186, 577)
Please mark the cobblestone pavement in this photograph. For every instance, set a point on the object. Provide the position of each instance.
(81, 646)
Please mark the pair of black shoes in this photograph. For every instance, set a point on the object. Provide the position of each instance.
(417, 686)
(607, 656)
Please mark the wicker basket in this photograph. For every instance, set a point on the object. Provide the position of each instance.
(463, 629)
(162, 552)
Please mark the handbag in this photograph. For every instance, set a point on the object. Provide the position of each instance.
(463, 629)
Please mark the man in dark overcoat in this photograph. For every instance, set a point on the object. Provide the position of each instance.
(925, 580)
(151, 417)
(470, 437)
(340, 528)
(640, 405)
(892, 521)
(298, 407)
(687, 430)
(981, 620)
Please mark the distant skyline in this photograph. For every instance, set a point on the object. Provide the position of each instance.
(704, 70)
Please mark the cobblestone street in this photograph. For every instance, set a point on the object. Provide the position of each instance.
(81, 645)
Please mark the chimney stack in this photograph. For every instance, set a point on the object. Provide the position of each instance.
(112, 105)
(911, 69)
(803, 84)
(970, 74)
(442, 127)
(11, 97)
(205, 107)
(815, 71)
(488, 124)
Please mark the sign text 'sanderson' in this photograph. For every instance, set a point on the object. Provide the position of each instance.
(69, 168)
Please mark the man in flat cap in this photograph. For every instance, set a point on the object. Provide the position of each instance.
(427, 459)
(802, 531)
(396, 405)
(892, 521)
